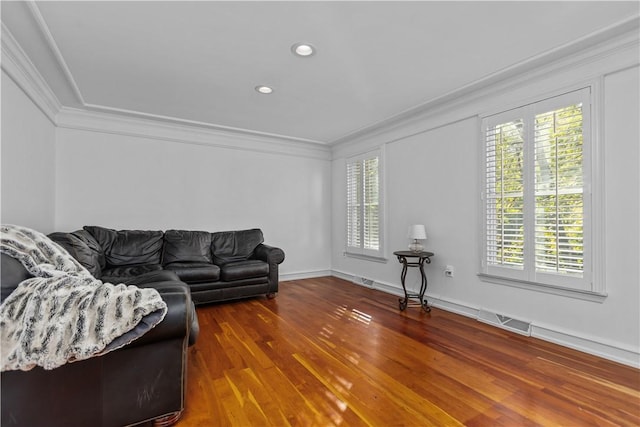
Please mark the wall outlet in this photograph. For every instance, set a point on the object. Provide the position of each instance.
(448, 271)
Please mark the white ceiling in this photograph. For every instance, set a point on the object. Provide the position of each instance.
(198, 62)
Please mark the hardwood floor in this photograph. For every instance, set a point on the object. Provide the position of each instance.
(326, 352)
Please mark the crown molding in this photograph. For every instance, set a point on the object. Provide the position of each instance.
(164, 125)
(204, 125)
(23, 72)
(118, 124)
(593, 47)
(53, 46)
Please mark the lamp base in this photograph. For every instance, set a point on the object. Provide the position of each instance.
(416, 246)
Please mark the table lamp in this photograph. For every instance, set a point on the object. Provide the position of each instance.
(416, 232)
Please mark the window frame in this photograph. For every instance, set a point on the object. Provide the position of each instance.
(591, 285)
(360, 251)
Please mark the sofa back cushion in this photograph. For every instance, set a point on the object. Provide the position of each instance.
(231, 246)
(84, 248)
(186, 246)
(128, 247)
(96, 250)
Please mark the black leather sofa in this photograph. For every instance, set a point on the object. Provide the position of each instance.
(142, 382)
(218, 266)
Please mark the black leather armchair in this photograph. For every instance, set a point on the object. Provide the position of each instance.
(143, 381)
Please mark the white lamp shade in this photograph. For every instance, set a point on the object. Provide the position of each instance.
(417, 232)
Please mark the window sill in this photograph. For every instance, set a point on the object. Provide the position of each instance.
(541, 287)
(366, 257)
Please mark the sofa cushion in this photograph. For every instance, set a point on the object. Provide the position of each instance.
(153, 277)
(244, 270)
(87, 257)
(128, 247)
(186, 246)
(195, 271)
(233, 246)
(93, 244)
(124, 273)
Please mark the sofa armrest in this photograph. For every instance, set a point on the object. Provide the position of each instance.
(177, 321)
(269, 254)
(272, 256)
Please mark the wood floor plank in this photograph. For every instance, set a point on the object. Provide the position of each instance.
(327, 352)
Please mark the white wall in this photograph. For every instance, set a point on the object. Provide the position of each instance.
(27, 151)
(432, 178)
(128, 182)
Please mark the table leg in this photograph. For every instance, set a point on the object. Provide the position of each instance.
(423, 289)
(402, 302)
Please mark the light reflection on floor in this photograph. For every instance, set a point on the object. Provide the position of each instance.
(340, 384)
(341, 312)
(339, 404)
(355, 314)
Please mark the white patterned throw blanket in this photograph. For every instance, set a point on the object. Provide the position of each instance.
(63, 314)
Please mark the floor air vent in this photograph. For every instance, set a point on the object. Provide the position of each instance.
(505, 322)
(362, 281)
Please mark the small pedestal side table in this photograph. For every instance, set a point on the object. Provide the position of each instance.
(414, 259)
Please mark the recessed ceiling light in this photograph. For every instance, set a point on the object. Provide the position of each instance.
(303, 49)
(264, 89)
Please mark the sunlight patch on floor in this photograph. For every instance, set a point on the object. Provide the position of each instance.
(354, 314)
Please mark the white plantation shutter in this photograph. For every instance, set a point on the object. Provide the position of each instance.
(371, 223)
(536, 207)
(364, 207)
(505, 194)
(354, 204)
(558, 191)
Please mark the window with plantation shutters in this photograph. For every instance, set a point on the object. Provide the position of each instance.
(364, 205)
(536, 198)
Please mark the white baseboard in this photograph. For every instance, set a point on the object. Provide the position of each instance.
(611, 351)
(304, 275)
(380, 286)
(453, 306)
(342, 275)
